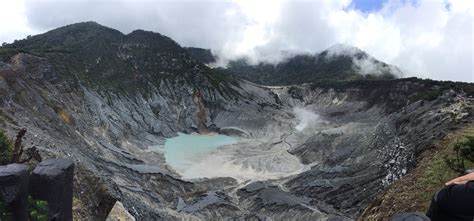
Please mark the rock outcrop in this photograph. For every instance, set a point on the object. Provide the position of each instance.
(119, 213)
(51, 181)
(14, 180)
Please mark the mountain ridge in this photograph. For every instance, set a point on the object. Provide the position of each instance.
(338, 62)
(107, 58)
(366, 133)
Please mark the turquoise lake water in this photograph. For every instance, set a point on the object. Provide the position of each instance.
(180, 151)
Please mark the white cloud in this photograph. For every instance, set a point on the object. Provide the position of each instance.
(425, 38)
(13, 23)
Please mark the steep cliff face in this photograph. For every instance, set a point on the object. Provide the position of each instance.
(306, 152)
(106, 132)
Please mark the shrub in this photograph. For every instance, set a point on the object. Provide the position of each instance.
(464, 153)
(466, 149)
(5, 213)
(6, 149)
(38, 209)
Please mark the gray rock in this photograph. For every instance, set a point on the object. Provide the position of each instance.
(14, 189)
(52, 181)
(119, 213)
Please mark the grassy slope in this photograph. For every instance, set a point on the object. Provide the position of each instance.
(413, 192)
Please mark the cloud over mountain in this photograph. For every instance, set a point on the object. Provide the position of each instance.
(424, 38)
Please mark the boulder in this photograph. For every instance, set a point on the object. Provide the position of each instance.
(14, 189)
(119, 213)
(52, 181)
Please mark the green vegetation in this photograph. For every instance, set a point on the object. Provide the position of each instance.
(307, 68)
(429, 88)
(6, 154)
(438, 171)
(6, 149)
(38, 209)
(464, 155)
(428, 95)
(408, 90)
(415, 191)
(7, 53)
(105, 59)
(466, 148)
(5, 213)
(203, 55)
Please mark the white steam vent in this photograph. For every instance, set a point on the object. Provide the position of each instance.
(306, 118)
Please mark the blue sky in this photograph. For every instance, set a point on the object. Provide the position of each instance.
(367, 5)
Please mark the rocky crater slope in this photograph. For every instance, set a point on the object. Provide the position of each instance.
(307, 152)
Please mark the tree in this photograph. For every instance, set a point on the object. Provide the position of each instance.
(464, 153)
